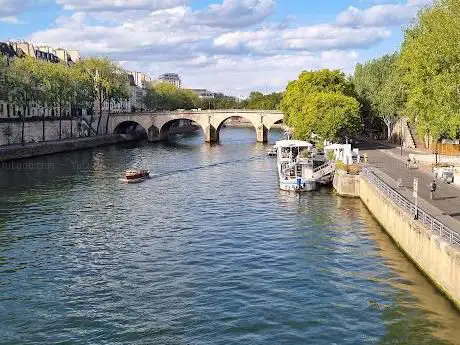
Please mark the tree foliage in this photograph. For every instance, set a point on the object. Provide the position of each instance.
(165, 96)
(107, 80)
(258, 100)
(321, 103)
(430, 62)
(379, 89)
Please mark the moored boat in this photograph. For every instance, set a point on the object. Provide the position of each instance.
(300, 167)
(136, 176)
(273, 151)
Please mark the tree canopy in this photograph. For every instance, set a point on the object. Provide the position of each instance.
(430, 62)
(165, 96)
(379, 89)
(321, 103)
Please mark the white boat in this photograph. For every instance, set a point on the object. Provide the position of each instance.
(273, 151)
(301, 167)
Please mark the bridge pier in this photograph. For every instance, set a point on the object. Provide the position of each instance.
(211, 134)
(262, 134)
(154, 135)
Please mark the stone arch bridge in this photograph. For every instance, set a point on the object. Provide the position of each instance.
(158, 124)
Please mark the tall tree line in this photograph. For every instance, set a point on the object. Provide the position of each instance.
(422, 81)
(58, 86)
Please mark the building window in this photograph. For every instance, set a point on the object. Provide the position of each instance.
(1, 108)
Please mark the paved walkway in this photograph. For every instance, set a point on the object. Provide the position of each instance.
(389, 160)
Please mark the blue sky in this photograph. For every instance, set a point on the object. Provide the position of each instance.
(233, 46)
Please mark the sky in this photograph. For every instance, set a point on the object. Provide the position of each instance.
(231, 46)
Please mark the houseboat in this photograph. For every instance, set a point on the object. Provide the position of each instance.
(301, 167)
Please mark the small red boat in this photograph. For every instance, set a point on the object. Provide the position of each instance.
(135, 176)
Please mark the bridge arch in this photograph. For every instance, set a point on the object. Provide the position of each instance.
(219, 122)
(163, 131)
(130, 127)
(273, 119)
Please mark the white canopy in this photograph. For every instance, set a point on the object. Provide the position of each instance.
(293, 143)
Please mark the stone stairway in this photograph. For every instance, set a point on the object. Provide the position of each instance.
(418, 143)
(88, 127)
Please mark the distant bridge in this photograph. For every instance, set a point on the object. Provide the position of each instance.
(158, 124)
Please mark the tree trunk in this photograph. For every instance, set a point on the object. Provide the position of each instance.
(100, 113)
(23, 124)
(71, 122)
(107, 121)
(43, 124)
(60, 120)
(389, 125)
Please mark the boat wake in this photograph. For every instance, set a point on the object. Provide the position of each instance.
(207, 166)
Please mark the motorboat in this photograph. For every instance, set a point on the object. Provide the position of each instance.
(301, 167)
(136, 176)
(273, 151)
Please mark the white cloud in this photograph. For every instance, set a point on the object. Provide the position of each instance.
(307, 38)
(382, 15)
(236, 13)
(9, 20)
(238, 75)
(9, 9)
(117, 5)
(216, 47)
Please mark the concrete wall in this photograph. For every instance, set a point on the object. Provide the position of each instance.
(347, 185)
(10, 133)
(45, 148)
(436, 258)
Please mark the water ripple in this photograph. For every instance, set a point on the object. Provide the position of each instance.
(208, 251)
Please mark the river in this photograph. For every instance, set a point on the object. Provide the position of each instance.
(208, 251)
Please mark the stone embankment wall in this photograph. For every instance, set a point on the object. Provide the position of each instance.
(12, 152)
(436, 258)
(346, 185)
(11, 132)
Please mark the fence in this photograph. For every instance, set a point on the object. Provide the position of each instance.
(427, 220)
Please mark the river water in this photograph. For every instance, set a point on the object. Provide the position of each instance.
(208, 251)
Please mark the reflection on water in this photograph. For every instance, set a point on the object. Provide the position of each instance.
(208, 251)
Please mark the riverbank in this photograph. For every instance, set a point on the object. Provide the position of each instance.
(13, 152)
(431, 241)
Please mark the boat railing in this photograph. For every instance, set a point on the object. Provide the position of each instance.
(323, 170)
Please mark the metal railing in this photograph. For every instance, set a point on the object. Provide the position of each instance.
(431, 223)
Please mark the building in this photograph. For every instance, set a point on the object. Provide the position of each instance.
(138, 83)
(204, 94)
(171, 78)
(23, 48)
(141, 79)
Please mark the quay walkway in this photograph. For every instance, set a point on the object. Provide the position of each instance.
(445, 206)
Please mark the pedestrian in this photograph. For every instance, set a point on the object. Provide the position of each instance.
(408, 163)
(432, 189)
(365, 158)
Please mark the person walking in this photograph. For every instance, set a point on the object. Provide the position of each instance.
(432, 189)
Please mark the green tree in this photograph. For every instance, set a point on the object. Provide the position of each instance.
(165, 96)
(258, 100)
(107, 82)
(430, 61)
(23, 82)
(321, 103)
(3, 78)
(330, 115)
(379, 89)
(81, 93)
(310, 82)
